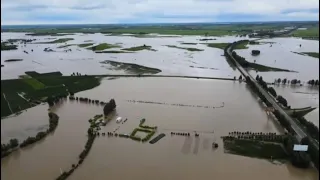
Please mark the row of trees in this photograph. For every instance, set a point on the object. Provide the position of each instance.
(313, 82)
(91, 136)
(87, 100)
(53, 123)
(6, 149)
(285, 81)
(295, 81)
(82, 156)
(264, 137)
(313, 130)
(52, 100)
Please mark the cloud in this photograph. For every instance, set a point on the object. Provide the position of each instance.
(148, 11)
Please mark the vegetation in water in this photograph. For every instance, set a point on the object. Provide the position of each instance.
(131, 68)
(255, 148)
(61, 40)
(224, 45)
(13, 60)
(103, 46)
(186, 43)
(113, 52)
(184, 48)
(138, 48)
(6, 149)
(5, 46)
(53, 123)
(156, 139)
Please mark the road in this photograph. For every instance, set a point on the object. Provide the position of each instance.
(300, 133)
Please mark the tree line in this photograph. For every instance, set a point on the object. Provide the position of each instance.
(92, 134)
(6, 149)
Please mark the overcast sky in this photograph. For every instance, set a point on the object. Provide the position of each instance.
(154, 11)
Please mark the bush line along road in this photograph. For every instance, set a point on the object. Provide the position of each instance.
(300, 133)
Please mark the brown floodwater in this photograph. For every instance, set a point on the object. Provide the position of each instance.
(173, 157)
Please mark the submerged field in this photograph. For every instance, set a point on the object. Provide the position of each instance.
(212, 108)
(179, 149)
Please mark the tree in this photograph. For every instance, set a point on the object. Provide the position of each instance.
(109, 107)
(282, 100)
(284, 81)
(279, 81)
(305, 141)
(50, 101)
(14, 143)
(272, 91)
(316, 82)
(311, 82)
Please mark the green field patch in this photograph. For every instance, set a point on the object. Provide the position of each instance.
(103, 46)
(184, 48)
(35, 74)
(34, 83)
(138, 48)
(40, 86)
(61, 40)
(312, 32)
(255, 148)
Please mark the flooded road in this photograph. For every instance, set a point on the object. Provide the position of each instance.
(173, 157)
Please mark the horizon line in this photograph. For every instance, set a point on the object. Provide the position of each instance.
(230, 22)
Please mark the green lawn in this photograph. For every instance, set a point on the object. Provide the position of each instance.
(103, 46)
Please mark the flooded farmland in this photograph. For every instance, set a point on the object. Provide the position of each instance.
(174, 105)
(111, 156)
